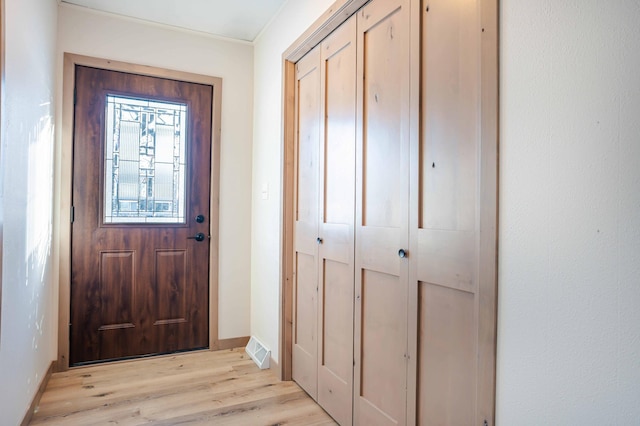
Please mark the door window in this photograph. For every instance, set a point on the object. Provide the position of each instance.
(144, 161)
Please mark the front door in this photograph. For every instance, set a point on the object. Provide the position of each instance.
(140, 233)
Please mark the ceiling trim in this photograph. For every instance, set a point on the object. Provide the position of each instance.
(63, 4)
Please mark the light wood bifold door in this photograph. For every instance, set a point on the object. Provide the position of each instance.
(382, 215)
(305, 331)
(324, 232)
(336, 233)
(394, 200)
(449, 313)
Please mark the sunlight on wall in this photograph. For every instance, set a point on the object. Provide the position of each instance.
(39, 206)
(29, 334)
(29, 299)
(39, 195)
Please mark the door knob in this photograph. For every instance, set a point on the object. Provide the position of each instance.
(319, 240)
(200, 218)
(198, 237)
(402, 253)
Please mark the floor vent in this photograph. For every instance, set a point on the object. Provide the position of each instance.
(258, 353)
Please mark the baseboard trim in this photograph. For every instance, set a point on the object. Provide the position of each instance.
(236, 342)
(36, 398)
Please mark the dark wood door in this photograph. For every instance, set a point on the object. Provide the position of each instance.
(140, 234)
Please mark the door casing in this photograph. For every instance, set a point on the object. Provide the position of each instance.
(63, 188)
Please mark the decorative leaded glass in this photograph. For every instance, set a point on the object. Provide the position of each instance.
(144, 161)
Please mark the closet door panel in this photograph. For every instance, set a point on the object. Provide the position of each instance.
(382, 150)
(446, 272)
(337, 339)
(308, 120)
(447, 258)
(382, 213)
(382, 349)
(337, 215)
(447, 347)
(304, 336)
(450, 117)
(378, 249)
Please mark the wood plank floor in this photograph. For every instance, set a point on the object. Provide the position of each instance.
(221, 388)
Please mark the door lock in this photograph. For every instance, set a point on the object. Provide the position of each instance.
(198, 237)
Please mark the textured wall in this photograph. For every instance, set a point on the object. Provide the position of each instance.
(106, 36)
(28, 334)
(569, 280)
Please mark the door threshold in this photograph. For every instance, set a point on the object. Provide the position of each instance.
(136, 358)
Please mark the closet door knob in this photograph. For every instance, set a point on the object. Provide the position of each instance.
(402, 253)
(319, 240)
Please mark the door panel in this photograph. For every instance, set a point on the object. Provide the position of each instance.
(382, 213)
(305, 341)
(337, 340)
(383, 348)
(447, 351)
(450, 118)
(382, 144)
(171, 273)
(305, 326)
(139, 286)
(118, 298)
(337, 207)
(446, 258)
(446, 238)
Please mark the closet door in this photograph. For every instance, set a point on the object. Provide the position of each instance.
(305, 289)
(382, 199)
(446, 240)
(337, 215)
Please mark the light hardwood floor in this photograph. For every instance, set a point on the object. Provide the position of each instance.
(221, 388)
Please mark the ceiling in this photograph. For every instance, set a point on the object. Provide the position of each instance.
(236, 19)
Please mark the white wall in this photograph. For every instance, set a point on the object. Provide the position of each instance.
(293, 19)
(107, 36)
(28, 335)
(569, 277)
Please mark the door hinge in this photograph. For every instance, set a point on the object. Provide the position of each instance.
(73, 213)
